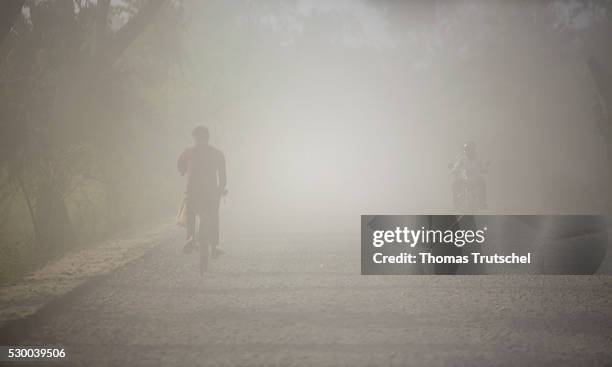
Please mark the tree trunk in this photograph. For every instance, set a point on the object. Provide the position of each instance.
(30, 206)
(131, 30)
(54, 225)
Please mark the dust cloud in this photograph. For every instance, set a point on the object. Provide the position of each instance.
(327, 111)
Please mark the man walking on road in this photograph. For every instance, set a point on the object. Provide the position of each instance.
(204, 166)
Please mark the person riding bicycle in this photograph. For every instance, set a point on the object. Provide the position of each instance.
(204, 167)
(468, 170)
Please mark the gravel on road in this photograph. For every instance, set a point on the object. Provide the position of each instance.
(285, 301)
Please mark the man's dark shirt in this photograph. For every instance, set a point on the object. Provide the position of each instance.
(205, 169)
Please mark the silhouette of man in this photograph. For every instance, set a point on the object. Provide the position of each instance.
(204, 166)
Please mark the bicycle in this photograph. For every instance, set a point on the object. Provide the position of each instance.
(203, 246)
(204, 243)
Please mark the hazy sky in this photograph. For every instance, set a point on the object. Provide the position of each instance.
(329, 110)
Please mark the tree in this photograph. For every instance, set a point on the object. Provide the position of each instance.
(57, 76)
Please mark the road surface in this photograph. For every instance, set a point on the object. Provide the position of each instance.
(284, 301)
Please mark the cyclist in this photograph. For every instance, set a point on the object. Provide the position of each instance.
(204, 167)
(468, 170)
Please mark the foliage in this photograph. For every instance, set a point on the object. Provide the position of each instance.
(70, 108)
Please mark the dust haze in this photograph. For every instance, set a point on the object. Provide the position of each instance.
(327, 111)
(324, 110)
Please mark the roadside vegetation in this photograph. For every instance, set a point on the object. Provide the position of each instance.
(82, 85)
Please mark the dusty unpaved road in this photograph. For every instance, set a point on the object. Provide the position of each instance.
(301, 301)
